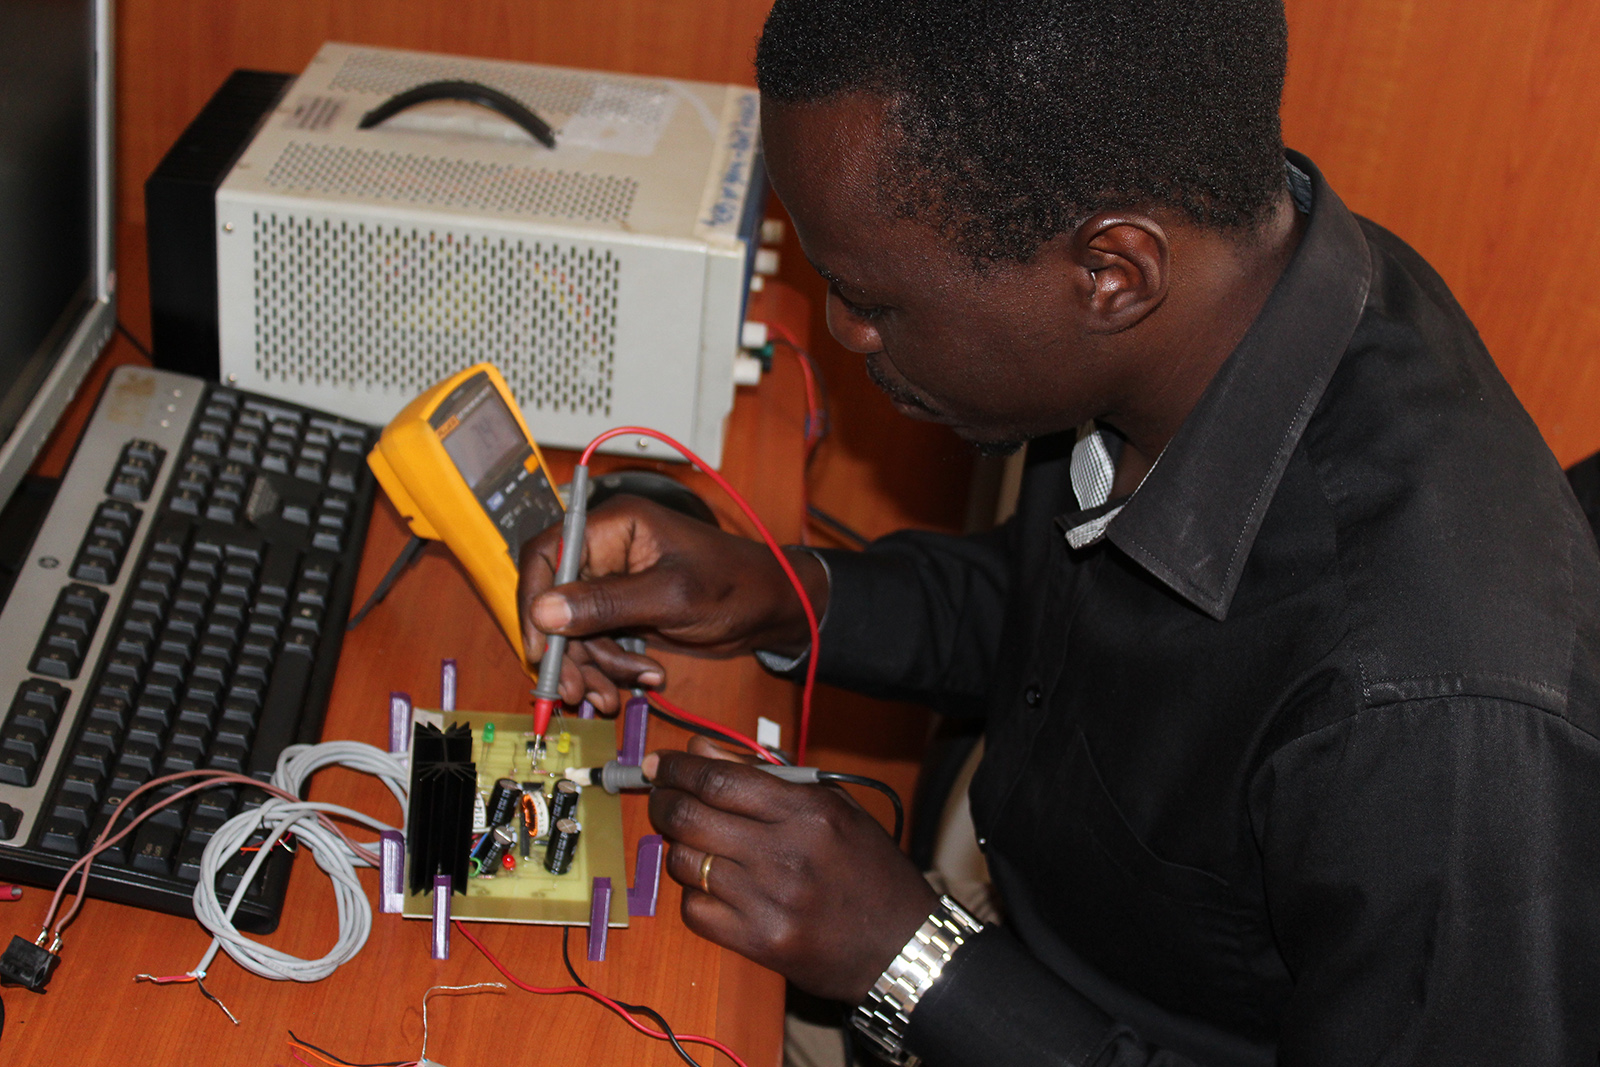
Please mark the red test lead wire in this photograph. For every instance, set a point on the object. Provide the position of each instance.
(766, 535)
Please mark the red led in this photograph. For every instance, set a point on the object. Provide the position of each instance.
(509, 862)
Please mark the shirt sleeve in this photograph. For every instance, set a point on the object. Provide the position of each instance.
(998, 1006)
(1433, 873)
(917, 616)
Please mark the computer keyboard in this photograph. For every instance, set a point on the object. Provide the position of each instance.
(182, 607)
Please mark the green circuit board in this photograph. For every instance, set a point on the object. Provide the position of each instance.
(528, 893)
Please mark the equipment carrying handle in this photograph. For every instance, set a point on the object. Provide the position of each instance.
(469, 92)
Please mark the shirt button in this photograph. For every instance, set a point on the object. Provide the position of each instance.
(1034, 696)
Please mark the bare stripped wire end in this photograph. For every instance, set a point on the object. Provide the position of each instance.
(199, 982)
(473, 988)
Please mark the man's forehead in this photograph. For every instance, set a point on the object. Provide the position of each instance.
(831, 164)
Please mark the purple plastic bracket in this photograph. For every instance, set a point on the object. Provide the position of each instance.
(391, 871)
(635, 730)
(399, 722)
(646, 877)
(586, 711)
(599, 916)
(442, 888)
(447, 685)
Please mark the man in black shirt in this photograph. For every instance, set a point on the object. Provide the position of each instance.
(1287, 662)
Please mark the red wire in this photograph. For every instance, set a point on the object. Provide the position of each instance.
(709, 1042)
(815, 427)
(772, 543)
(752, 745)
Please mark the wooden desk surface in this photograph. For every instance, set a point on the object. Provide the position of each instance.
(370, 1010)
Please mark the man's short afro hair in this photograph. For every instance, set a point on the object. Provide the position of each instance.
(1021, 119)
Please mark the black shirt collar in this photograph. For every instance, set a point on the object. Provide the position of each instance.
(1194, 519)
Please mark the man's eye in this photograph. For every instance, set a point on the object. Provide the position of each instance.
(858, 310)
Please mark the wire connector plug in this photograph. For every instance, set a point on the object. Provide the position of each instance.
(27, 964)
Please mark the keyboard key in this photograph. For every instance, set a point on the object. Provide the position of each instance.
(211, 669)
(226, 757)
(138, 758)
(307, 617)
(131, 487)
(17, 768)
(204, 690)
(207, 443)
(253, 669)
(177, 641)
(54, 664)
(308, 472)
(276, 462)
(223, 513)
(298, 514)
(61, 835)
(213, 808)
(201, 714)
(83, 783)
(110, 710)
(24, 740)
(154, 847)
(186, 502)
(178, 760)
(75, 808)
(92, 758)
(88, 569)
(232, 732)
(328, 541)
(98, 733)
(47, 697)
(188, 861)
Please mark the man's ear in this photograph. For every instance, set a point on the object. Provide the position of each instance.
(1122, 262)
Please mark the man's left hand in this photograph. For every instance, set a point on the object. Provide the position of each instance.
(802, 879)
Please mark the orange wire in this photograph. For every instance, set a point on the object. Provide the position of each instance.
(709, 1042)
(772, 543)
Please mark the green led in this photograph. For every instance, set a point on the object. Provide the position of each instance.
(488, 733)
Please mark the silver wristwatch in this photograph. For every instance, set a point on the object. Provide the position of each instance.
(886, 1013)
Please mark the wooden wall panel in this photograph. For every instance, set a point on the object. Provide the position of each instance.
(1469, 127)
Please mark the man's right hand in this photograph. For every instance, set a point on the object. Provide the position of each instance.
(652, 572)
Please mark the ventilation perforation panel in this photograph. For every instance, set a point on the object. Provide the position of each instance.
(406, 177)
(392, 308)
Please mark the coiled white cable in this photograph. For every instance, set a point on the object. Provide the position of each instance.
(335, 854)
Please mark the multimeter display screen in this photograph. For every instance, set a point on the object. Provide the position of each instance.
(485, 438)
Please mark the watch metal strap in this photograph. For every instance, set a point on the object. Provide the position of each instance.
(886, 1013)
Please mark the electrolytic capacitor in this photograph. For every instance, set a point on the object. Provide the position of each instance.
(504, 800)
(563, 846)
(491, 848)
(564, 800)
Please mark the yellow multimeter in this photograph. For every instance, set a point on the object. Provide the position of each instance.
(461, 467)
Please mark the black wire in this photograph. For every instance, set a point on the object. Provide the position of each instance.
(637, 1009)
(347, 1063)
(401, 562)
(871, 783)
(144, 350)
(837, 526)
(711, 732)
